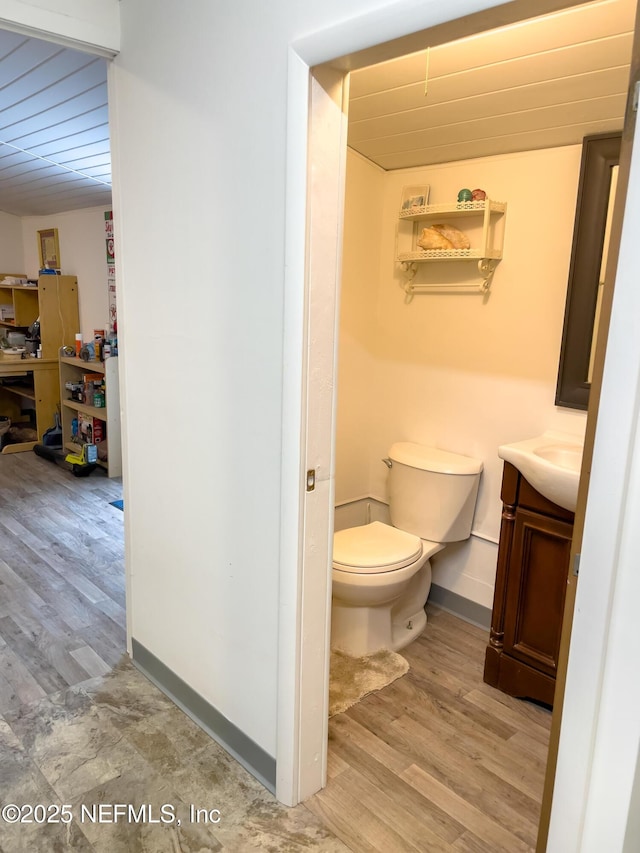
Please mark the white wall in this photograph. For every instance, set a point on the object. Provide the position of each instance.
(205, 605)
(458, 370)
(358, 400)
(200, 241)
(201, 291)
(81, 237)
(11, 255)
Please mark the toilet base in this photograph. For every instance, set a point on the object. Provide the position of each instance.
(407, 630)
(360, 631)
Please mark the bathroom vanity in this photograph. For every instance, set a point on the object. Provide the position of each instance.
(533, 564)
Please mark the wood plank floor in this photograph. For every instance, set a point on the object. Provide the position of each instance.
(62, 608)
(436, 761)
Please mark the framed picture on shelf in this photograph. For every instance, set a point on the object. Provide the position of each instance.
(49, 249)
(413, 197)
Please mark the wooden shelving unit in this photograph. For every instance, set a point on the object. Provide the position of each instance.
(32, 383)
(72, 370)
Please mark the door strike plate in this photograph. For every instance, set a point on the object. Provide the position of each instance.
(576, 565)
(311, 479)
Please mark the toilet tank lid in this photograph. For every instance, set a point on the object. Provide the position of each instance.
(433, 459)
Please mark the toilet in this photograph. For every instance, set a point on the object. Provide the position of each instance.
(382, 573)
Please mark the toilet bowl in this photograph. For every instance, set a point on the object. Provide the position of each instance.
(382, 573)
(381, 578)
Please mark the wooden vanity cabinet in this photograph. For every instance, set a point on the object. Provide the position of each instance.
(531, 581)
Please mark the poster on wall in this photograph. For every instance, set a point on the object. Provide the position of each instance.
(111, 269)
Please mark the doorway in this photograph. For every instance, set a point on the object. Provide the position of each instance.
(328, 101)
(56, 160)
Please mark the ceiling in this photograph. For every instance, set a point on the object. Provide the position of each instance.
(54, 128)
(542, 83)
(538, 84)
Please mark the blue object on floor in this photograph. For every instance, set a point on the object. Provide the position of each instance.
(117, 504)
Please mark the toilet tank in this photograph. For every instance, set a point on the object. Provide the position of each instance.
(432, 493)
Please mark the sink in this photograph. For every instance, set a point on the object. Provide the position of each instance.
(551, 463)
(565, 456)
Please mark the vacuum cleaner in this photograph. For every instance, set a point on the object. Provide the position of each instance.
(80, 464)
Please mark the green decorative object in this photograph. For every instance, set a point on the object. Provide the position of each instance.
(465, 195)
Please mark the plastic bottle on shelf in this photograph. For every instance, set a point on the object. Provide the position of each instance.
(98, 341)
(78, 344)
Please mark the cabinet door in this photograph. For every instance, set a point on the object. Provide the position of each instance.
(536, 586)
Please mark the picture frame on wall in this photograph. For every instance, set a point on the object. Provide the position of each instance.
(49, 249)
(414, 198)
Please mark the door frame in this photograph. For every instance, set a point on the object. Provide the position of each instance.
(314, 225)
(97, 31)
(590, 742)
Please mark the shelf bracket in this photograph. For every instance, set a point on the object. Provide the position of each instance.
(410, 270)
(486, 268)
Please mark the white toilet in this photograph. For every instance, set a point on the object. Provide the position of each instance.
(382, 574)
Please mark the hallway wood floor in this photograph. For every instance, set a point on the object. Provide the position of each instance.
(437, 761)
(62, 609)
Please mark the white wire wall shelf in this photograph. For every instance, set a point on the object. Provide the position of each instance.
(486, 221)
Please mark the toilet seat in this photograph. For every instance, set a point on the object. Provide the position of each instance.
(374, 548)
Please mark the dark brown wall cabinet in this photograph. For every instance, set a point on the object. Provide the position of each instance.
(531, 581)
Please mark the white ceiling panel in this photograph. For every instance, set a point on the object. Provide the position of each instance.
(54, 128)
(74, 141)
(595, 21)
(20, 56)
(574, 63)
(518, 122)
(75, 197)
(80, 108)
(100, 171)
(538, 84)
(547, 138)
(86, 123)
(582, 87)
(40, 101)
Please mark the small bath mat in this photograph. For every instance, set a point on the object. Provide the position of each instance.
(351, 679)
(117, 504)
